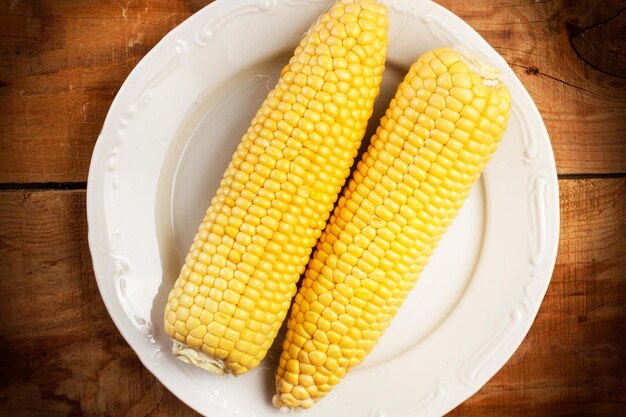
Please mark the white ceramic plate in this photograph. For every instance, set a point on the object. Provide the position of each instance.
(171, 132)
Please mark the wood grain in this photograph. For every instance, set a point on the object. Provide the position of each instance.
(60, 354)
(62, 62)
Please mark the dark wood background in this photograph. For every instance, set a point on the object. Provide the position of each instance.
(61, 64)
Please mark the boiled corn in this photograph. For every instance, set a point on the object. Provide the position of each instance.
(240, 275)
(442, 127)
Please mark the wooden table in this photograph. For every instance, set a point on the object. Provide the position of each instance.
(61, 64)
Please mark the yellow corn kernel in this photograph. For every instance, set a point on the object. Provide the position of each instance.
(426, 155)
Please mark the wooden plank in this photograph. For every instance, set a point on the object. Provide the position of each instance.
(61, 355)
(62, 62)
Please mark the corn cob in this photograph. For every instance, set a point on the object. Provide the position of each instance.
(441, 129)
(240, 275)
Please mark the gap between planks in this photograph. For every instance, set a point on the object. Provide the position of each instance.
(55, 186)
(42, 186)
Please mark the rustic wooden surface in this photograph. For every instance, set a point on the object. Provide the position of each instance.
(61, 63)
